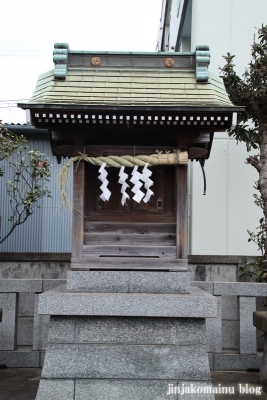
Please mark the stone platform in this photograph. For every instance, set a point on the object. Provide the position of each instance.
(125, 335)
(260, 321)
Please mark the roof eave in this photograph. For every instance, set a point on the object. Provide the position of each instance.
(130, 108)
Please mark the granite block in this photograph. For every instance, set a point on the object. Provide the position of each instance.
(207, 286)
(260, 320)
(40, 327)
(25, 331)
(8, 326)
(247, 333)
(196, 304)
(240, 289)
(260, 340)
(58, 389)
(98, 281)
(230, 335)
(94, 389)
(20, 285)
(191, 331)
(230, 309)
(49, 284)
(26, 304)
(211, 361)
(260, 301)
(214, 330)
(157, 305)
(236, 362)
(126, 362)
(263, 371)
(42, 357)
(159, 282)
(63, 329)
(192, 390)
(136, 330)
(260, 308)
(128, 282)
(20, 359)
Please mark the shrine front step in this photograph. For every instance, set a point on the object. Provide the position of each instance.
(142, 228)
(128, 263)
(129, 234)
(155, 239)
(141, 251)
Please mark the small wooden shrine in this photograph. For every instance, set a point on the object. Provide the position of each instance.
(115, 104)
(128, 324)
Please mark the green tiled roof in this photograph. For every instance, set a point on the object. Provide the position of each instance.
(129, 87)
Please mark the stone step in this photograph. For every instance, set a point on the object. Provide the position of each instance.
(197, 304)
(128, 282)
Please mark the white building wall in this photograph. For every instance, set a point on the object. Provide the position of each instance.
(219, 220)
(176, 9)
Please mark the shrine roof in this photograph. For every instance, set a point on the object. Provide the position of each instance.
(98, 79)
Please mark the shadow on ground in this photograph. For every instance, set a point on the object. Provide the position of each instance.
(243, 385)
(22, 384)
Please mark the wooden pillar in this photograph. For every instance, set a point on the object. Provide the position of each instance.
(181, 212)
(78, 204)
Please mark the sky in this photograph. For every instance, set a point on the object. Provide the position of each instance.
(29, 29)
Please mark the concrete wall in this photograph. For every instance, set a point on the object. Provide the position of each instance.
(23, 332)
(231, 338)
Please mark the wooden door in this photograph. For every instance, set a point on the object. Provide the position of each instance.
(145, 230)
(161, 206)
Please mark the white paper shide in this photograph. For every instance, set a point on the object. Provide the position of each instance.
(122, 180)
(103, 178)
(138, 179)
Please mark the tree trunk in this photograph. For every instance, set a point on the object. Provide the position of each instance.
(262, 168)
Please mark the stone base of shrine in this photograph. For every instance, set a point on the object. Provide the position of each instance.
(126, 345)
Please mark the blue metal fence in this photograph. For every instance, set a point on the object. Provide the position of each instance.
(49, 228)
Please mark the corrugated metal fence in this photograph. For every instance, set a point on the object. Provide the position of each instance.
(49, 228)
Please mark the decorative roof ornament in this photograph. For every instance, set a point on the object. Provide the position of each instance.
(169, 62)
(60, 58)
(95, 61)
(202, 63)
